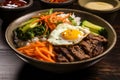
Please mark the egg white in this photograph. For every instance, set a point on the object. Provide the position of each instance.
(56, 39)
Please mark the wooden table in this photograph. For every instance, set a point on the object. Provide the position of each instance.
(13, 68)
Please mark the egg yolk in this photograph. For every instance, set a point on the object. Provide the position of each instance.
(71, 34)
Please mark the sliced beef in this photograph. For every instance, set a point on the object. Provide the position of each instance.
(93, 45)
(96, 37)
(78, 53)
(87, 47)
(98, 50)
(67, 54)
(61, 58)
(90, 46)
(64, 51)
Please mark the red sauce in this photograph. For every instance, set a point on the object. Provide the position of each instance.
(13, 3)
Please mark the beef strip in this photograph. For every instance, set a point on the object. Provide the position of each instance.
(64, 52)
(61, 58)
(78, 53)
(98, 50)
(84, 56)
(92, 44)
(87, 47)
(97, 37)
(67, 54)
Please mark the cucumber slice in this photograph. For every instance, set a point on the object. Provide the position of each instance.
(93, 27)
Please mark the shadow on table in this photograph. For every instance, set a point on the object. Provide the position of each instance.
(29, 72)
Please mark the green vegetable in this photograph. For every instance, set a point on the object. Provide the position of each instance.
(30, 29)
(50, 11)
(72, 21)
(28, 24)
(29, 21)
(93, 27)
(30, 33)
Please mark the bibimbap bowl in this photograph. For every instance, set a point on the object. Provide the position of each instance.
(65, 65)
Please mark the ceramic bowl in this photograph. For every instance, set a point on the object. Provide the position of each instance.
(65, 66)
(57, 5)
(29, 4)
(114, 3)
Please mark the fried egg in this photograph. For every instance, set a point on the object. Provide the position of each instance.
(67, 34)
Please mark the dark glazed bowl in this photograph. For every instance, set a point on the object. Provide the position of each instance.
(115, 3)
(63, 67)
(29, 4)
(62, 4)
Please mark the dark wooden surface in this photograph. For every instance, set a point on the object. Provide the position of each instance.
(13, 68)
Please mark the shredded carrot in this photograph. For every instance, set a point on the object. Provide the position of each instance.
(39, 50)
(43, 56)
(51, 20)
(28, 53)
(32, 45)
(47, 52)
(50, 47)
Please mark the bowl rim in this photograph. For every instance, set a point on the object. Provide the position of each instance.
(76, 62)
(18, 8)
(117, 7)
(68, 1)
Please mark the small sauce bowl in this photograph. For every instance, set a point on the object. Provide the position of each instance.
(15, 5)
(58, 4)
(100, 6)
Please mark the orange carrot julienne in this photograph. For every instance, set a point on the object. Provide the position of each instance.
(31, 46)
(35, 50)
(50, 48)
(42, 44)
(47, 52)
(43, 56)
(28, 53)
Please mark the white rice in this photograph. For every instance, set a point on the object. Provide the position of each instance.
(77, 19)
